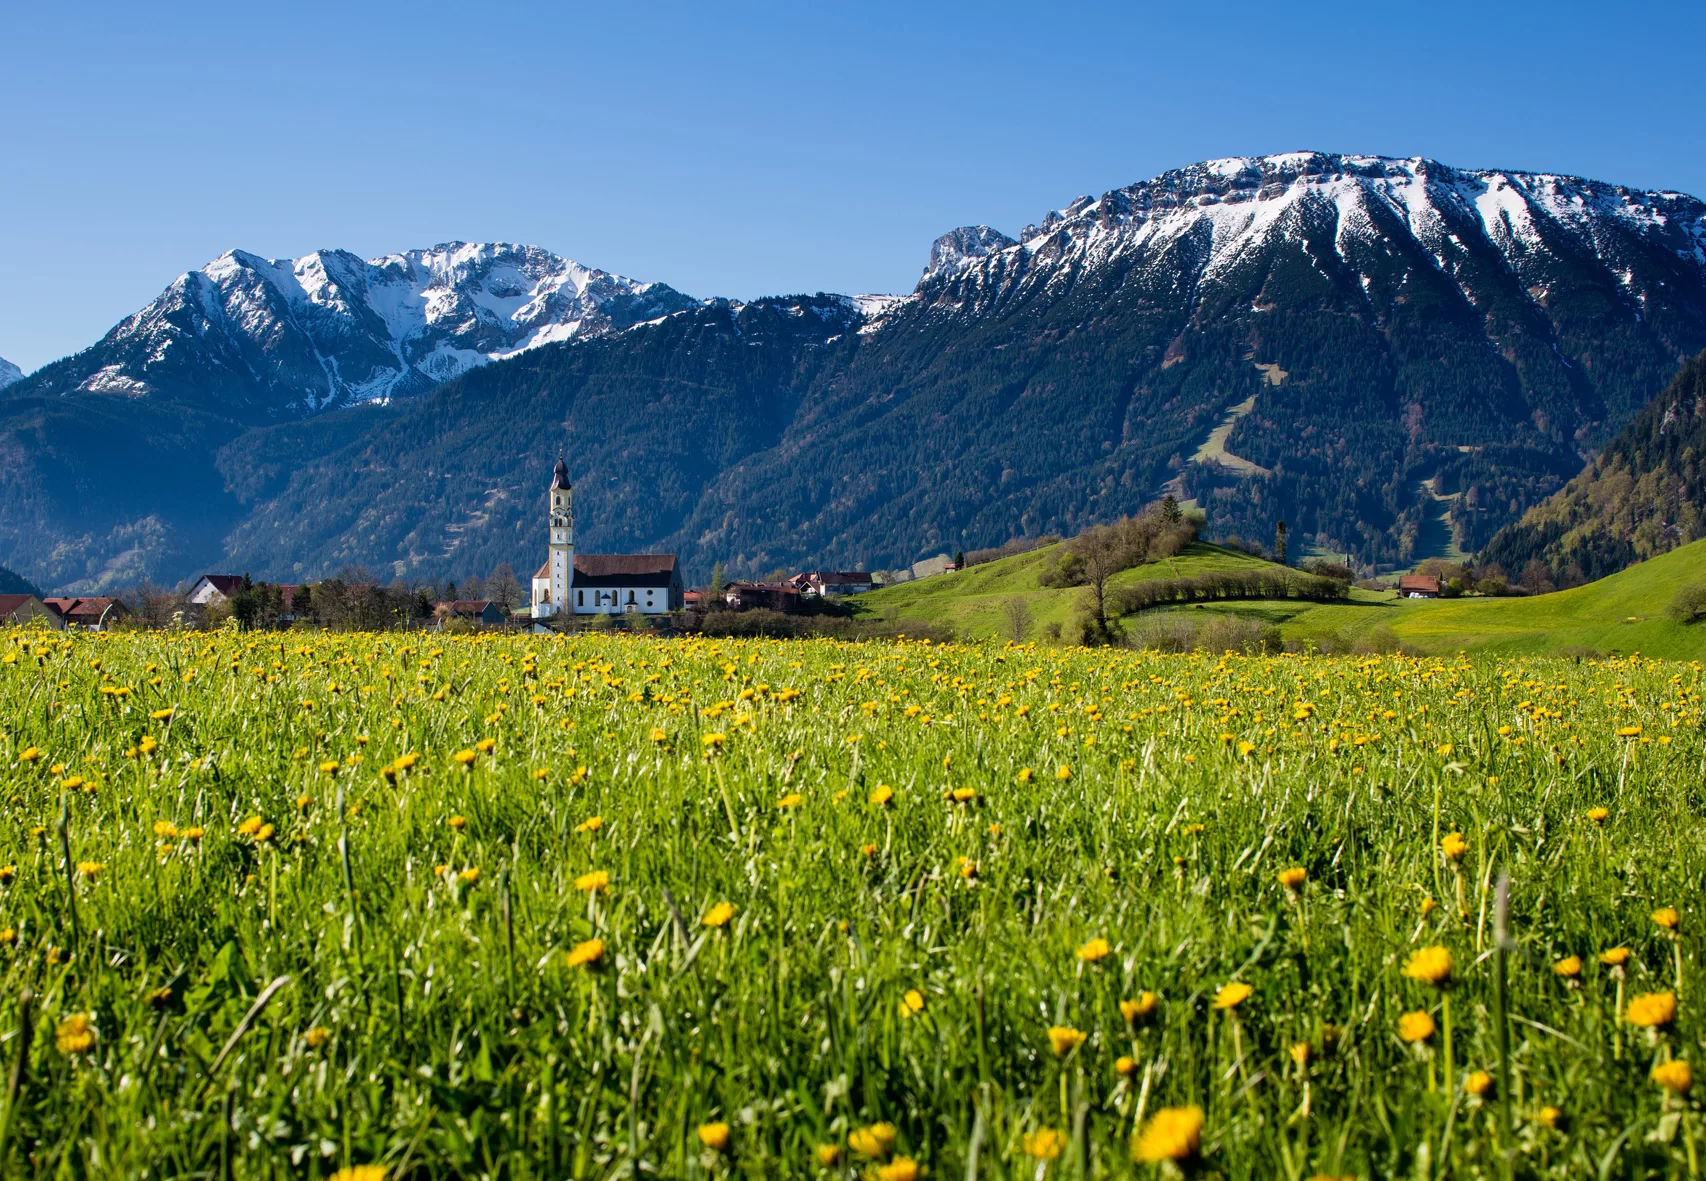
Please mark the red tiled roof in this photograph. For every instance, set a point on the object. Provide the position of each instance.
(10, 603)
(544, 570)
(467, 606)
(1419, 582)
(600, 565)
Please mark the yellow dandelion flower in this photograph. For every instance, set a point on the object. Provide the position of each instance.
(91, 869)
(1676, 1077)
(875, 1141)
(1549, 1117)
(317, 1037)
(711, 741)
(582, 954)
(1666, 917)
(360, 1173)
(1430, 965)
(792, 800)
(165, 829)
(882, 795)
(901, 1168)
(1454, 846)
(75, 1034)
(1063, 772)
(163, 715)
(714, 1136)
(329, 767)
(1024, 775)
(1478, 1083)
(592, 882)
(912, 1002)
(1171, 1134)
(828, 1155)
(1652, 1010)
(657, 735)
(1139, 1007)
(1299, 1052)
(458, 822)
(1569, 967)
(1230, 996)
(485, 745)
(1094, 950)
(1628, 731)
(590, 824)
(1416, 1027)
(1598, 815)
(1125, 1066)
(1294, 877)
(29, 754)
(719, 914)
(869, 850)
(1044, 1143)
(1063, 1039)
(250, 826)
(1614, 957)
(464, 757)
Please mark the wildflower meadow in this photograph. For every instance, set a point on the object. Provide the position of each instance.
(305, 905)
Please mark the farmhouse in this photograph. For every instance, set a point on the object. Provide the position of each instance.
(478, 610)
(1418, 586)
(90, 614)
(215, 588)
(827, 582)
(598, 584)
(28, 609)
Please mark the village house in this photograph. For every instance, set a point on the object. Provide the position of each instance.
(598, 584)
(475, 610)
(825, 582)
(91, 614)
(1418, 586)
(777, 596)
(214, 588)
(28, 609)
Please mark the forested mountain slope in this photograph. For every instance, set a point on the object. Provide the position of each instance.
(1643, 496)
(1389, 322)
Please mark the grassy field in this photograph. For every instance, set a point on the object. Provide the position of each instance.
(1623, 614)
(973, 602)
(286, 905)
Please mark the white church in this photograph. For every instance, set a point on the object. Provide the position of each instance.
(598, 584)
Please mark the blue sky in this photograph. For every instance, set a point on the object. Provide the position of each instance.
(750, 149)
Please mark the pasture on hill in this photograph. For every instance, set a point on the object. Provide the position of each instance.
(1624, 614)
(610, 906)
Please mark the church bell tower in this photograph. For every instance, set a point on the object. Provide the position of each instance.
(562, 539)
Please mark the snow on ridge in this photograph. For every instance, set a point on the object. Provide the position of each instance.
(9, 373)
(1239, 201)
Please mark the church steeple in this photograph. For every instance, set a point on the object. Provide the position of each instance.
(562, 545)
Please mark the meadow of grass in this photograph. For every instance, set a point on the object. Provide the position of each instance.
(286, 905)
(973, 602)
(1620, 615)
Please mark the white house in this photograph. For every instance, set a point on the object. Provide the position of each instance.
(598, 584)
(215, 588)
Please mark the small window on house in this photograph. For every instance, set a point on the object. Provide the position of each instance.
(630, 596)
(580, 597)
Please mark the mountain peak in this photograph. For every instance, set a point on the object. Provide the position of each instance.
(8, 373)
(281, 337)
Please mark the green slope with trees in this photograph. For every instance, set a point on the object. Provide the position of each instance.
(1645, 495)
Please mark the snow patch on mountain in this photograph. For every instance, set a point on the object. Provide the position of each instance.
(284, 337)
(1214, 216)
(8, 373)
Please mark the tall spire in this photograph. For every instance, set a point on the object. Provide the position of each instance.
(560, 473)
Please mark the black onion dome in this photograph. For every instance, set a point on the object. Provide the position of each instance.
(560, 475)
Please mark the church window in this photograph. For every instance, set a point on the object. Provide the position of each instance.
(581, 597)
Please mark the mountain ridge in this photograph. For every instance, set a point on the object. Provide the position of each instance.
(9, 373)
(1405, 334)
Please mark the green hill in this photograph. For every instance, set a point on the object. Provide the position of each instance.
(1642, 497)
(1620, 614)
(975, 602)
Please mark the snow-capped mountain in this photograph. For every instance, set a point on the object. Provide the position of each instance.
(268, 338)
(8, 373)
(1200, 225)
